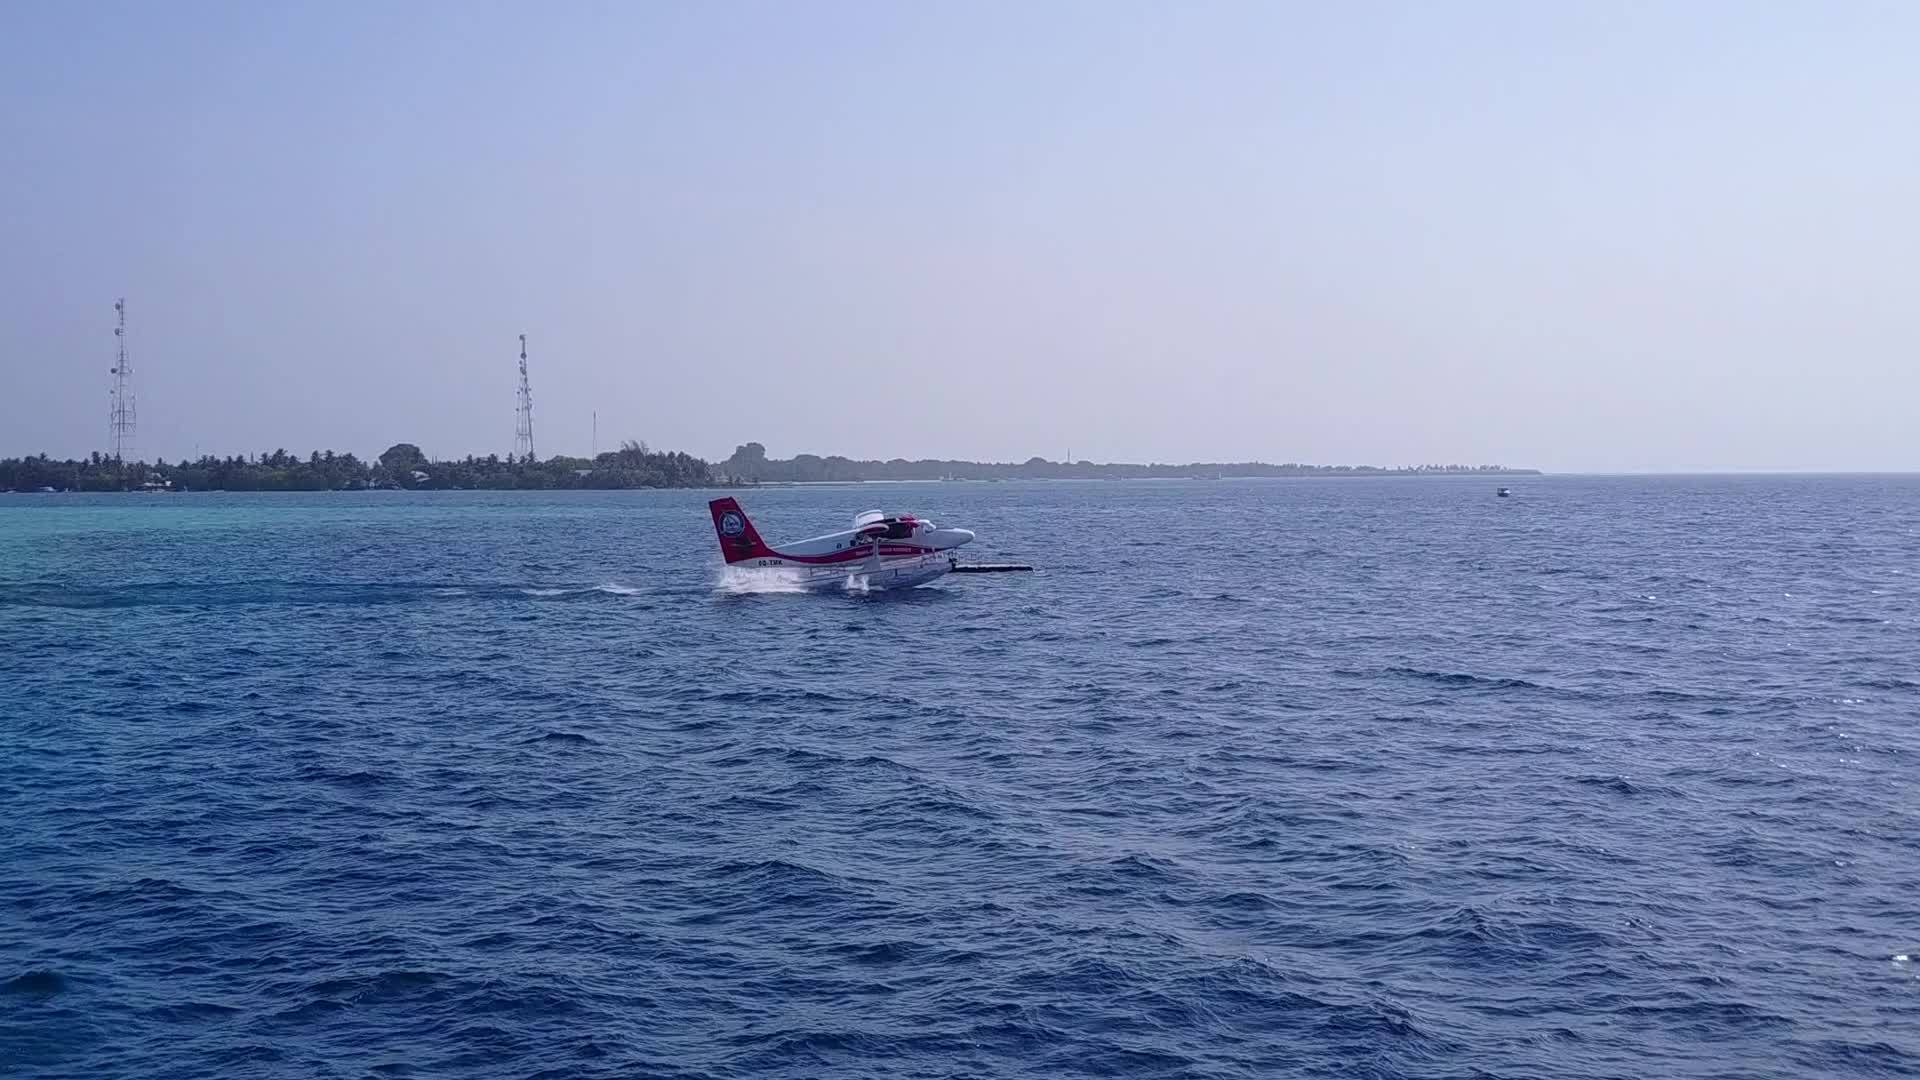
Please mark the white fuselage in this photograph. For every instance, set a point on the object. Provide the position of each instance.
(881, 551)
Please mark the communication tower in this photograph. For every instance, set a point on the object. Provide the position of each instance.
(523, 414)
(122, 415)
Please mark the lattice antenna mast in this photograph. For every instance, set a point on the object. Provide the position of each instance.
(523, 415)
(122, 416)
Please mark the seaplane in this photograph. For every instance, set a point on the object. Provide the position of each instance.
(881, 551)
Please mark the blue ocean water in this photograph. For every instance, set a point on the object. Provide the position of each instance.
(1377, 777)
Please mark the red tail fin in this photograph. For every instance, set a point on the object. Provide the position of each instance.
(739, 540)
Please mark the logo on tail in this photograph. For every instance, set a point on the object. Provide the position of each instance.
(739, 540)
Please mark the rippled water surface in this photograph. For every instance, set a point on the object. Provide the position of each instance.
(1293, 778)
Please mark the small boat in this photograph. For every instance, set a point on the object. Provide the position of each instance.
(1504, 493)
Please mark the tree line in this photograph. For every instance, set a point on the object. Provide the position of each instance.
(749, 463)
(635, 465)
(401, 466)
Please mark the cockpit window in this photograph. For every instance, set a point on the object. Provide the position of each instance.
(899, 530)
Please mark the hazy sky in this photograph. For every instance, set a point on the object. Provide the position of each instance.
(1611, 236)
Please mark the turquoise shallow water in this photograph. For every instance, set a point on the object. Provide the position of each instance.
(1323, 778)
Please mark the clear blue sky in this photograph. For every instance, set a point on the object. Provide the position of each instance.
(1579, 236)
